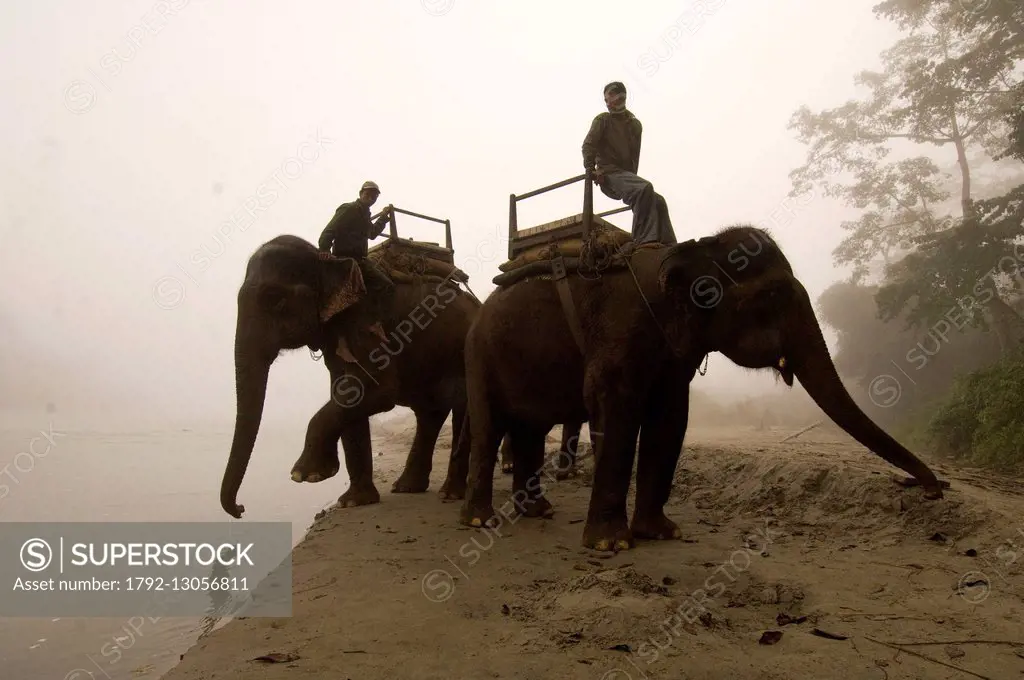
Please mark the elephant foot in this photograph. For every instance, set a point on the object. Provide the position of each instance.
(536, 507)
(478, 516)
(452, 491)
(302, 473)
(507, 468)
(408, 483)
(933, 491)
(655, 527)
(932, 487)
(359, 496)
(608, 536)
(564, 465)
(563, 475)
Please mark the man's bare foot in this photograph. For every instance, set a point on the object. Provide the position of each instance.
(378, 330)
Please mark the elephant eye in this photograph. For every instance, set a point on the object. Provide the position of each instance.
(273, 298)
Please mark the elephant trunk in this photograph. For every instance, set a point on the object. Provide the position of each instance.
(817, 373)
(251, 372)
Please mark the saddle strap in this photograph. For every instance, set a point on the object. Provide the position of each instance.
(558, 275)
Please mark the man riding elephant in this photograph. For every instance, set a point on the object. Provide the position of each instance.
(346, 235)
(645, 331)
(612, 151)
(291, 297)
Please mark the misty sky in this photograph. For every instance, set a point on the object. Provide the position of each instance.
(126, 163)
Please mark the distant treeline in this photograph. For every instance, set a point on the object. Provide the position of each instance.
(950, 387)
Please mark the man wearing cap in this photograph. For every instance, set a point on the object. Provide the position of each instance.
(347, 234)
(611, 151)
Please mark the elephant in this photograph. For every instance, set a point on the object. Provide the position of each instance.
(290, 298)
(567, 451)
(646, 324)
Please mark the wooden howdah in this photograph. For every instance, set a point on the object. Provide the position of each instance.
(407, 246)
(565, 229)
(575, 227)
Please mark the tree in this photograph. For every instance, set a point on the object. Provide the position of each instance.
(939, 87)
(899, 201)
(993, 34)
(1015, 118)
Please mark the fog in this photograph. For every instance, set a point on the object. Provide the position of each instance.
(138, 133)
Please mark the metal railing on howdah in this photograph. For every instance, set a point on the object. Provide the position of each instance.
(393, 228)
(588, 205)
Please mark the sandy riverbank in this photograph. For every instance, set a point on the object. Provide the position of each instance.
(809, 528)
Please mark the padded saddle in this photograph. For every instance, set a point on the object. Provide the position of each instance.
(405, 260)
(606, 248)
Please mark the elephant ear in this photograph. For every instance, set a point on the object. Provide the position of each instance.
(341, 286)
(686, 265)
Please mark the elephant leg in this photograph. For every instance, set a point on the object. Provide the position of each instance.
(568, 450)
(351, 403)
(661, 442)
(485, 435)
(355, 439)
(527, 448)
(614, 427)
(416, 476)
(507, 459)
(454, 487)
(319, 459)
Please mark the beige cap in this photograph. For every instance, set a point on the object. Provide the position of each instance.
(370, 185)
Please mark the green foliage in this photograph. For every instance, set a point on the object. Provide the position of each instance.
(911, 427)
(946, 275)
(1015, 119)
(981, 422)
(1002, 217)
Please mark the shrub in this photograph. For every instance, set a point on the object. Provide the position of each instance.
(982, 418)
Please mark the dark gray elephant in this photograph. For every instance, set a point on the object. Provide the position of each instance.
(291, 299)
(646, 330)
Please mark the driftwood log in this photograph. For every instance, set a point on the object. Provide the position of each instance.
(806, 429)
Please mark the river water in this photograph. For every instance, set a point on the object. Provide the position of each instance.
(94, 476)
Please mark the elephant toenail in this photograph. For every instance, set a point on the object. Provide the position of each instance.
(475, 522)
(603, 544)
(296, 476)
(621, 544)
(315, 477)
